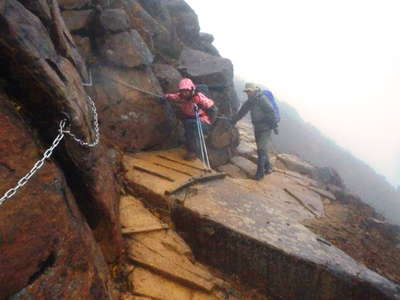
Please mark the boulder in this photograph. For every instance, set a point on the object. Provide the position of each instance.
(218, 157)
(131, 120)
(77, 19)
(126, 49)
(206, 38)
(159, 11)
(168, 76)
(160, 39)
(205, 44)
(208, 48)
(225, 97)
(64, 42)
(185, 21)
(46, 246)
(328, 176)
(293, 163)
(221, 135)
(114, 20)
(205, 68)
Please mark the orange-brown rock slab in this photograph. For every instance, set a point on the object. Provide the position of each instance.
(136, 218)
(152, 285)
(168, 254)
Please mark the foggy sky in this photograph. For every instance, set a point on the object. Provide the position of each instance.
(336, 62)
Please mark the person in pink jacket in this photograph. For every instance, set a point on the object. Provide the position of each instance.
(189, 100)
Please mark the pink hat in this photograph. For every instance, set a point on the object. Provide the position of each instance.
(186, 84)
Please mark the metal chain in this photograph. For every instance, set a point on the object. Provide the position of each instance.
(96, 128)
(38, 164)
(61, 133)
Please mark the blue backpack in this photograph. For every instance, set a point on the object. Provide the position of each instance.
(272, 101)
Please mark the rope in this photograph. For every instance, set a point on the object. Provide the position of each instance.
(133, 87)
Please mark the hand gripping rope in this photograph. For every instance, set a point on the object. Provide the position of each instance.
(62, 130)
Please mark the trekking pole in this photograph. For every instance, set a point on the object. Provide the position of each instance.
(203, 146)
(198, 125)
(205, 149)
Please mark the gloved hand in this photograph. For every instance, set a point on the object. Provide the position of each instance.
(276, 131)
(162, 100)
(233, 121)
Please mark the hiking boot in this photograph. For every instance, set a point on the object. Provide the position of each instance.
(268, 171)
(260, 167)
(259, 176)
(189, 156)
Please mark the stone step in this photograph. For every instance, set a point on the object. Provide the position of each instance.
(154, 286)
(163, 172)
(136, 218)
(167, 254)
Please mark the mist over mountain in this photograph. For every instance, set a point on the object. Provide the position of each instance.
(303, 139)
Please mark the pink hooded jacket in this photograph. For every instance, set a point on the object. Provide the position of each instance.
(187, 107)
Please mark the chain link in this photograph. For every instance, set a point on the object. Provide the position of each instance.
(96, 128)
(38, 164)
(61, 133)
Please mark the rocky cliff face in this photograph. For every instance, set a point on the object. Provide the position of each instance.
(62, 228)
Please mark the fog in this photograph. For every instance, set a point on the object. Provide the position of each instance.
(336, 62)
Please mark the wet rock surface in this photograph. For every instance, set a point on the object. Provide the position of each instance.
(233, 218)
(255, 230)
(44, 239)
(61, 236)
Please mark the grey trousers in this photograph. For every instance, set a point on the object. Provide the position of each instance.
(192, 139)
(262, 138)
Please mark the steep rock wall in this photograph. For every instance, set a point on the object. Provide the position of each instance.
(62, 228)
